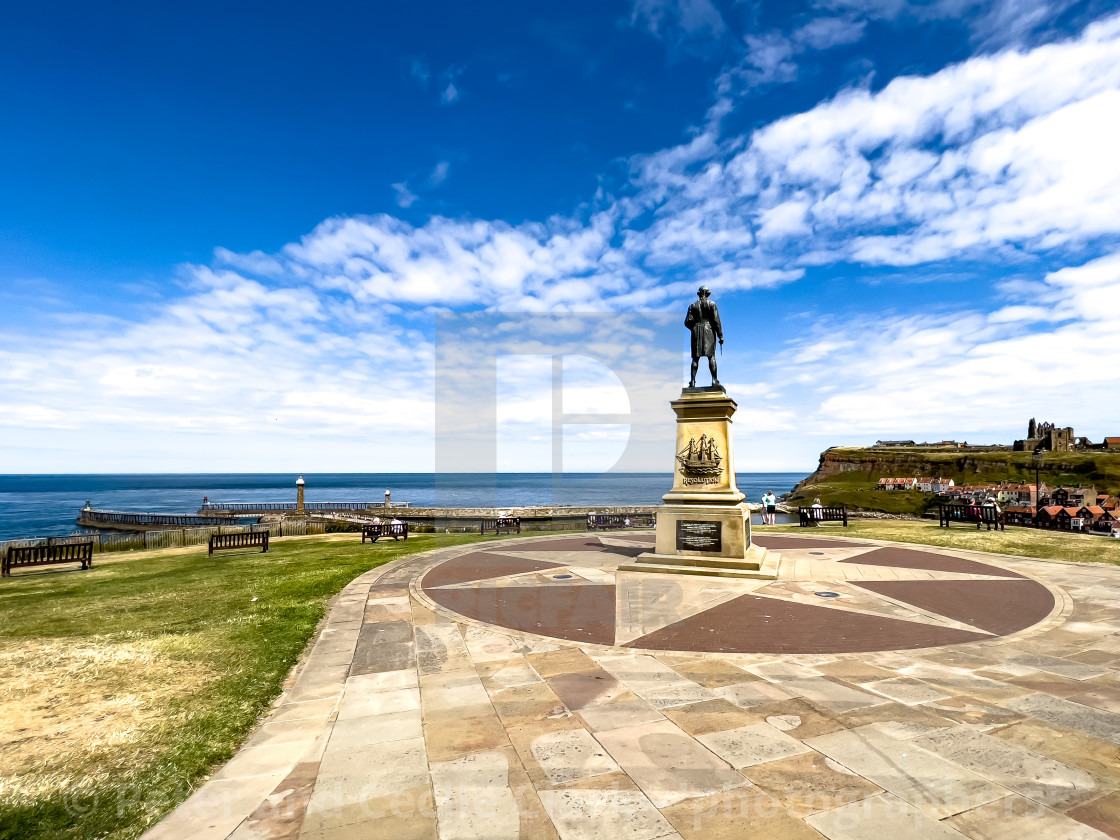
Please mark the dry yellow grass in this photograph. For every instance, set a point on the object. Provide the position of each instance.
(71, 712)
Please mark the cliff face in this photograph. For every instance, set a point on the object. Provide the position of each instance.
(880, 463)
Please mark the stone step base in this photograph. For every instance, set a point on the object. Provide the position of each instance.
(657, 568)
(767, 569)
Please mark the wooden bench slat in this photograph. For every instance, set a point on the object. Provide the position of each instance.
(376, 530)
(222, 542)
(46, 555)
(980, 514)
(809, 516)
(509, 524)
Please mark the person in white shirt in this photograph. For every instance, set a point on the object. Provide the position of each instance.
(769, 515)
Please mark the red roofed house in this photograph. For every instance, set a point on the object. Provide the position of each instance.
(1102, 520)
(1019, 515)
(897, 483)
(1090, 513)
(1048, 516)
(1069, 520)
(1017, 494)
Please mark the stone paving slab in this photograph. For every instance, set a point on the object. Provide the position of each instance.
(411, 720)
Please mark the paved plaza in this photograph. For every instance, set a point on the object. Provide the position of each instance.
(527, 689)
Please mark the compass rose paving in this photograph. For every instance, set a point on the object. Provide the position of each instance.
(529, 689)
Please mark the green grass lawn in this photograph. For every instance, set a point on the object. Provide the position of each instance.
(122, 686)
(1023, 542)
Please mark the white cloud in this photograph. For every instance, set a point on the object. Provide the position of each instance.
(678, 20)
(450, 94)
(823, 33)
(769, 59)
(405, 196)
(787, 219)
(994, 24)
(439, 173)
(419, 71)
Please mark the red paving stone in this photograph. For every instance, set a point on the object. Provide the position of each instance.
(905, 558)
(751, 624)
(998, 606)
(578, 613)
(481, 565)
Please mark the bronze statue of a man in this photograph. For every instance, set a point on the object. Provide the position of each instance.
(703, 320)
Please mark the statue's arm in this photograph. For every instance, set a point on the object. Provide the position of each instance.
(689, 318)
(715, 322)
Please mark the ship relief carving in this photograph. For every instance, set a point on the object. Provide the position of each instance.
(700, 461)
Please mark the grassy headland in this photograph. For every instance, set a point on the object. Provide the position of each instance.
(849, 475)
(122, 686)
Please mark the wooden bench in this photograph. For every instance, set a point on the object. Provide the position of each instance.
(376, 530)
(611, 521)
(46, 555)
(980, 514)
(509, 524)
(221, 542)
(811, 516)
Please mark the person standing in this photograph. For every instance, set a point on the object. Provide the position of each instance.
(769, 516)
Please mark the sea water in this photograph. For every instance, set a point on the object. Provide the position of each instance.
(47, 505)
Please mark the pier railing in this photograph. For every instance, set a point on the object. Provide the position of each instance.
(91, 517)
(269, 507)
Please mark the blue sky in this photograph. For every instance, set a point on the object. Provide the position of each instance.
(227, 229)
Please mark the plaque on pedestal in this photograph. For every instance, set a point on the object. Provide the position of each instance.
(698, 535)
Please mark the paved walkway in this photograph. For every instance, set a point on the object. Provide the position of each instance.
(524, 689)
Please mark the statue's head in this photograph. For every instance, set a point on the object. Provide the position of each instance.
(704, 291)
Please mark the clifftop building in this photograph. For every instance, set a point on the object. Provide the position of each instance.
(1048, 437)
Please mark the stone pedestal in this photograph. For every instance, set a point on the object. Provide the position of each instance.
(704, 528)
